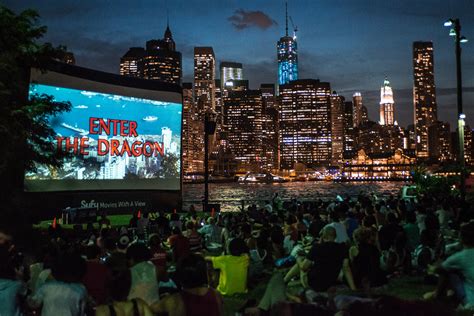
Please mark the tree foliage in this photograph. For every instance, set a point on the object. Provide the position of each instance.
(24, 130)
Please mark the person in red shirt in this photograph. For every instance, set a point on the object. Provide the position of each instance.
(97, 275)
(179, 244)
(195, 239)
(158, 254)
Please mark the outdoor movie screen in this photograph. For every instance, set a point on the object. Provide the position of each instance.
(115, 141)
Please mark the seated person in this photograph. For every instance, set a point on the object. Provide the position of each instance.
(233, 268)
(145, 275)
(457, 271)
(65, 295)
(118, 287)
(324, 263)
(196, 297)
(178, 244)
(365, 259)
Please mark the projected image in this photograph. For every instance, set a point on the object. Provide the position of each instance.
(113, 137)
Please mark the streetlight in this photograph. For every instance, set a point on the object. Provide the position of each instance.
(458, 39)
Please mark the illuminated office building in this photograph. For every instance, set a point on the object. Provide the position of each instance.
(204, 78)
(193, 133)
(439, 141)
(236, 85)
(159, 61)
(468, 146)
(337, 128)
(380, 139)
(270, 127)
(424, 95)
(131, 64)
(162, 62)
(349, 141)
(359, 110)
(287, 54)
(305, 123)
(243, 119)
(230, 71)
(386, 104)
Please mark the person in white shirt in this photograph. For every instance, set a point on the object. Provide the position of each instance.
(341, 231)
(64, 295)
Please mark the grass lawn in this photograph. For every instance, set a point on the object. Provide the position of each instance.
(406, 287)
(115, 221)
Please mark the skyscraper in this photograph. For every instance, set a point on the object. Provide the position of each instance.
(337, 128)
(439, 141)
(131, 64)
(204, 78)
(305, 123)
(243, 118)
(349, 134)
(230, 71)
(358, 106)
(287, 54)
(162, 61)
(159, 61)
(424, 95)
(270, 127)
(193, 133)
(386, 104)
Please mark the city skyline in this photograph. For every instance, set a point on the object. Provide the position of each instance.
(372, 40)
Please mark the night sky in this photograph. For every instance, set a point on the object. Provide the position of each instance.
(353, 44)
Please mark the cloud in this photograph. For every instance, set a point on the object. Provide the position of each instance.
(242, 19)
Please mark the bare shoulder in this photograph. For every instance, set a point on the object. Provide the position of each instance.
(172, 305)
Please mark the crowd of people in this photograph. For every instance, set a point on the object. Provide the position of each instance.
(323, 257)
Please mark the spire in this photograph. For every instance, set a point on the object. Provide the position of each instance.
(168, 31)
(286, 18)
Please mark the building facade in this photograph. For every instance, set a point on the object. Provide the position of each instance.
(439, 142)
(387, 114)
(192, 135)
(230, 71)
(204, 78)
(358, 109)
(365, 166)
(305, 123)
(244, 122)
(424, 96)
(162, 62)
(349, 141)
(337, 128)
(159, 61)
(271, 144)
(131, 64)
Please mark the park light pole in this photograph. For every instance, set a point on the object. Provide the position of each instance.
(458, 39)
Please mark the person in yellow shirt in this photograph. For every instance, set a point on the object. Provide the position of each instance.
(233, 268)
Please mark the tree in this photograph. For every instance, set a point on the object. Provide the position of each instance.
(24, 131)
(169, 167)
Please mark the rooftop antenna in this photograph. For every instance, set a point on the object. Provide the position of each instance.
(167, 17)
(286, 18)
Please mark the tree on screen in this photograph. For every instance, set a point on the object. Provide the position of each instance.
(24, 130)
(169, 167)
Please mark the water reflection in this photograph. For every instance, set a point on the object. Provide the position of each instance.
(230, 194)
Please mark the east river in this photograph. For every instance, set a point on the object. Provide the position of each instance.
(230, 195)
